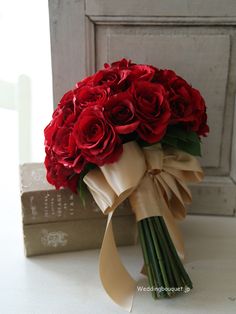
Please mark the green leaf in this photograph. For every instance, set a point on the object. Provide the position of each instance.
(183, 135)
(170, 141)
(183, 140)
(176, 132)
(193, 137)
(190, 147)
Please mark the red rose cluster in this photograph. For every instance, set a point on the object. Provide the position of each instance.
(122, 102)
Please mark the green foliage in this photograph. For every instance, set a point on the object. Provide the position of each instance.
(183, 140)
(179, 138)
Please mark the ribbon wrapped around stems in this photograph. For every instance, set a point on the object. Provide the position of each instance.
(154, 179)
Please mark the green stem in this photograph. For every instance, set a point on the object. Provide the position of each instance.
(181, 268)
(165, 252)
(159, 254)
(154, 261)
(163, 235)
(146, 259)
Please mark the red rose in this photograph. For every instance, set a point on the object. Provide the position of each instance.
(87, 81)
(165, 77)
(114, 78)
(89, 96)
(130, 71)
(66, 100)
(97, 138)
(152, 109)
(64, 115)
(58, 175)
(142, 72)
(120, 112)
(187, 105)
(203, 129)
(121, 64)
(51, 129)
(66, 150)
(59, 140)
(66, 112)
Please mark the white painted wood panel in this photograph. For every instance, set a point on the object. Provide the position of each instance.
(209, 8)
(197, 38)
(67, 26)
(200, 59)
(215, 195)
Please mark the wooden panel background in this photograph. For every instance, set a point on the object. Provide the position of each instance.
(196, 38)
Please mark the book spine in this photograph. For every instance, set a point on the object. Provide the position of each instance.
(66, 236)
(62, 205)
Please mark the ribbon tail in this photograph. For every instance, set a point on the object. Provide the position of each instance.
(110, 186)
(116, 280)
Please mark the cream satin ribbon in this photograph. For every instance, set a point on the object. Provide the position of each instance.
(154, 180)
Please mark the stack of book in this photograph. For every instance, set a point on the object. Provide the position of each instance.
(58, 221)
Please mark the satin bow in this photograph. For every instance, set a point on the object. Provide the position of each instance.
(154, 179)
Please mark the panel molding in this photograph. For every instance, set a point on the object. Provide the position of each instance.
(233, 148)
(90, 46)
(215, 195)
(197, 8)
(157, 20)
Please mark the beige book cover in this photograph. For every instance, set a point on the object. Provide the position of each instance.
(57, 221)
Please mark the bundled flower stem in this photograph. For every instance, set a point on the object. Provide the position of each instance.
(165, 271)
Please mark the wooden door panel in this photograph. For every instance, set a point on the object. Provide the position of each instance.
(196, 38)
(201, 59)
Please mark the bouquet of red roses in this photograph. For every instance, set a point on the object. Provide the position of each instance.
(132, 131)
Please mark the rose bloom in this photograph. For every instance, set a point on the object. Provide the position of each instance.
(152, 110)
(131, 71)
(89, 96)
(96, 138)
(113, 78)
(120, 112)
(187, 105)
(66, 151)
(87, 81)
(59, 140)
(58, 175)
(142, 72)
(66, 100)
(121, 64)
(64, 115)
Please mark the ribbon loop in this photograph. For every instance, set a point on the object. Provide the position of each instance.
(126, 173)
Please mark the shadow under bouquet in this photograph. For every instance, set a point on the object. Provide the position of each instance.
(132, 131)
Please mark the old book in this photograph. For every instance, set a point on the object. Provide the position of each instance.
(57, 221)
(65, 236)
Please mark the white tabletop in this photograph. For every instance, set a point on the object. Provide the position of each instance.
(69, 283)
